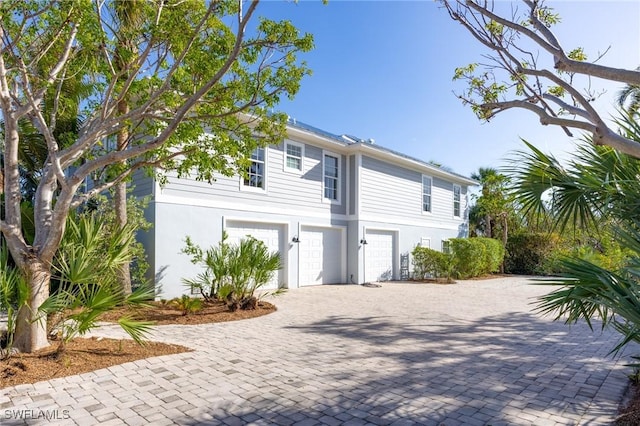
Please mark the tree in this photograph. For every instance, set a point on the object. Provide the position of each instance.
(199, 93)
(630, 93)
(599, 190)
(495, 204)
(129, 15)
(516, 77)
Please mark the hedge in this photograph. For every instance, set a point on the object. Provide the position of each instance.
(428, 262)
(530, 253)
(470, 257)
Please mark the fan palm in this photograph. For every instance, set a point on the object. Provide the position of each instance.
(630, 93)
(86, 266)
(598, 184)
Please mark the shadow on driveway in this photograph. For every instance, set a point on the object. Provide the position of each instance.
(509, 369)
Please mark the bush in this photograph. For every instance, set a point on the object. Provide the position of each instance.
(188, 305)
(468, 257)
(85, 269)
(531, 253)
(494, 254)
(233, 272)
(431, 262)
(215, 260)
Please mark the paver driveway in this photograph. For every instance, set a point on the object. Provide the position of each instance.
(470, 353)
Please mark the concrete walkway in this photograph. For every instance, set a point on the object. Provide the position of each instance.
(465, 354)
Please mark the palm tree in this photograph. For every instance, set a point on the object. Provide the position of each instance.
(494, 205)
(631, 93)
(483, 175)
(598, 185)
(129, 15)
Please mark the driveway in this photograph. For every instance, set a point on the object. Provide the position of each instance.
(472, 353)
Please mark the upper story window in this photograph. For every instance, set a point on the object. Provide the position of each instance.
(426, 193)
(456, 200)
(255, 177)
(331, 167)
(293, 154)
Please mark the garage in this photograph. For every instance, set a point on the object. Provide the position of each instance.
(379, 255)
(321, 255)
(271, 234)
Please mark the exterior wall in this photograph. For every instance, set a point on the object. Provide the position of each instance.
(408, 237)
(392, 193)
(204, 224)
(283, 189)
(142, 184)
(383, 198)
(352, 184)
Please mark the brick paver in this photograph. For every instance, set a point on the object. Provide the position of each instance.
(402, 354)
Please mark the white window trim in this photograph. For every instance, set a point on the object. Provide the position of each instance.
(262, 190)
(422, 195)
(285, 167)
(338, 199)
(425, 242)
(453, 199)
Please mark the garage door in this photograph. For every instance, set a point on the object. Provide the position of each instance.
(270, 234)
(378, 255)
(321, 256)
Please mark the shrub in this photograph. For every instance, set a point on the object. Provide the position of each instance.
(187, 305)
(469, 257)
(531, 253)
(13, 294)
(215, 260)
(233, 272)
(494, 254)
(431, 262)
(85, 268)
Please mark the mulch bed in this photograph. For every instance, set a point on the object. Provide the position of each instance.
(84, 355)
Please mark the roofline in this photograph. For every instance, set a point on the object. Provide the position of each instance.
(430, 169)
(332, 141)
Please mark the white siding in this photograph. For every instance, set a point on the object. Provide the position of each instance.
(142, 184)
(388, 190)
(283, 188)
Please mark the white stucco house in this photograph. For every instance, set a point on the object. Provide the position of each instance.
(337, 208)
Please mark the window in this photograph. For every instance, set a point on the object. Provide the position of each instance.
(331, 177)
(255, 173)
(446, 246)
(293, 154)
(425, 242)
(456, 200)
(426, 194)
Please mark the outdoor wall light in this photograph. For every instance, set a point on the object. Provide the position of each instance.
(295, 239)
(363, 241)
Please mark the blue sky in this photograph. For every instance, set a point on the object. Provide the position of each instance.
(383, 70)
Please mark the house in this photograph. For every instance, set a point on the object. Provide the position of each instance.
(337, 208)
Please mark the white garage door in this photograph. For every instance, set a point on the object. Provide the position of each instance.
(321, 255)
(270, 234)
(378, 255)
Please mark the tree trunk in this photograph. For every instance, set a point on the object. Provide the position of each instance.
(488, 231)
(120, 202)
(31, 329)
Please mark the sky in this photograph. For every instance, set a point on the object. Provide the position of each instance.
(383, 70)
